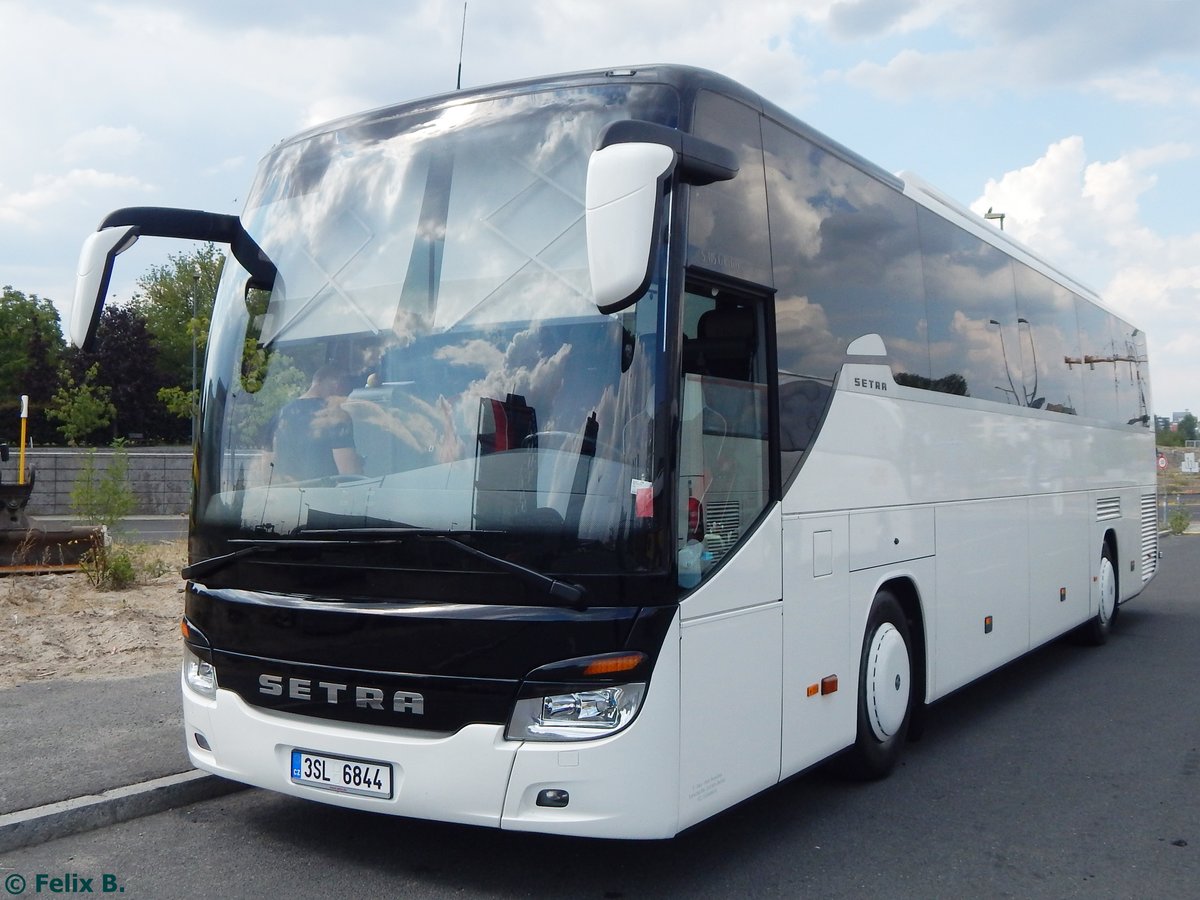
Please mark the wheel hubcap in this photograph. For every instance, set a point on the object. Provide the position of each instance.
(887, 681)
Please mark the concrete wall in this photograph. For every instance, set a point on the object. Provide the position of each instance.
(161, 478)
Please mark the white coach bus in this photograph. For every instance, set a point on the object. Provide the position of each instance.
(586, 454)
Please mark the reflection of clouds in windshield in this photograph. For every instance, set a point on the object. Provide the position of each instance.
(567, 134)
(795, 219)
(979, 290)
(365, 219)
(526, 366)
(472, 353)
(982, 340)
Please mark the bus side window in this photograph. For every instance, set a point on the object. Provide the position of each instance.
(725, 336)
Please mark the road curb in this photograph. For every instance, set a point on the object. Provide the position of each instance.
(54, 820)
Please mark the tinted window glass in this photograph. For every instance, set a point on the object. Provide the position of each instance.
(1133, 389)
(1098, 363)
(723, 470)
(727, 222)
(1049, 334)
(973, 342)
(846, 264)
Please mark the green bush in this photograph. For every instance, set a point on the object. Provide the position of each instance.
(1178, 521)
(107, 568)
(121, 572)
(104, 497)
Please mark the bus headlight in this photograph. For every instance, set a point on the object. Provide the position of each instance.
(575, 716)
(199, 674)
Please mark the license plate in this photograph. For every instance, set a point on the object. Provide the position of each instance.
(364, 777)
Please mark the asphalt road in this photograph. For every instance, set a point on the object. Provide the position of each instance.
(1074, 772)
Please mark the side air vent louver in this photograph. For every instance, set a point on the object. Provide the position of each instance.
(1108, 508)
(1149, 536)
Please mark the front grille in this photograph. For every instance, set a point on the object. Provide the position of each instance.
(364, 697)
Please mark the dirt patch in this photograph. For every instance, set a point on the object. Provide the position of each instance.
(60, 626)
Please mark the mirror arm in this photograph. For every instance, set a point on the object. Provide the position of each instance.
(197, 225)
(699, 161)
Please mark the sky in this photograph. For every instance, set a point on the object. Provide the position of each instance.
(1078, 119)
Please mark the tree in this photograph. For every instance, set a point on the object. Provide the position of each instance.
(176, 300)
(83, 408)
(1165, 437)
(1187, 428)
(127, 363)
(43, 376)
(31, 351)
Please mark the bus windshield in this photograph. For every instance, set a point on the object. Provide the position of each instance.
(430, 356)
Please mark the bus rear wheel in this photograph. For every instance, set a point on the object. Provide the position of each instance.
(885, 691)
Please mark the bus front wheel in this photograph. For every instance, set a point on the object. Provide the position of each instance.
(885, 690)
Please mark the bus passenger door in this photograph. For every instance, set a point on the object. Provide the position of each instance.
(819, 669)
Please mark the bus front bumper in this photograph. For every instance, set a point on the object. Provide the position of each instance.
(621, 786)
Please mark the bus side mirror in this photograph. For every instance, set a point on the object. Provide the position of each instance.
(92, 277)
(122, 227)
(623, 207)
(627, 180)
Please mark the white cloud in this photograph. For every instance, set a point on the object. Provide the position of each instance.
(102, 142)
(983, 49)
(1151, 87)
(30, 207)
(1089, 212)
(947, 74)
(231, 164)
(1041, 201)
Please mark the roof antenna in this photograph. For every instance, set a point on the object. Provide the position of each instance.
(461, 40)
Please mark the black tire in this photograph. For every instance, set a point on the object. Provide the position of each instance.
(885, 691)
(1096, 631)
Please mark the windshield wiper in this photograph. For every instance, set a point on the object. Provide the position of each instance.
(253, 548)
(569, 594)
(216, 563)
